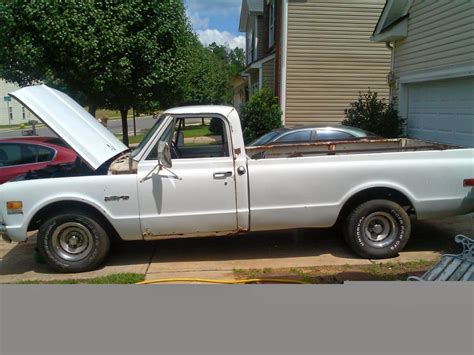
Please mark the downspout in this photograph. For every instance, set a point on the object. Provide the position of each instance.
(390, 77)
(249, 83)
(284, 54)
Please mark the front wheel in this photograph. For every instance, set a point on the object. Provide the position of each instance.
(377, 229)
(73, 242)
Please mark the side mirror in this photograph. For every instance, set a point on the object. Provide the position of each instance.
(164, 155)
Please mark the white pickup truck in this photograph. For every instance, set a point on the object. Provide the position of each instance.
(169, 187)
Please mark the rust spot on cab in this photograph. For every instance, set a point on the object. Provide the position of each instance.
(147, 233)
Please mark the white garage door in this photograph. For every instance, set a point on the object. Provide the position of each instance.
(442, 111)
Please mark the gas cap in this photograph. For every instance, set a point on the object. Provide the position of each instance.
(241, 170)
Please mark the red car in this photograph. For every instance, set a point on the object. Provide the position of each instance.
(21, 155)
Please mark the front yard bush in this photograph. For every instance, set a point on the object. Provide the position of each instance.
(260, 114)
(375, 115)
(215, 126)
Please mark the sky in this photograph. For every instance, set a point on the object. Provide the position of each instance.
(216, 21)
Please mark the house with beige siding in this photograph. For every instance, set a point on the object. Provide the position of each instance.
(432, 70)
(315, 55)
(11, 111)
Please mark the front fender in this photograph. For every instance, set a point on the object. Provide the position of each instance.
(91, 190)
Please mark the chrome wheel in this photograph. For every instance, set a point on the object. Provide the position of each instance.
(380, 229)
(72, 241)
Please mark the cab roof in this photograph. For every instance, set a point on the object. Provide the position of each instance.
(201, 110)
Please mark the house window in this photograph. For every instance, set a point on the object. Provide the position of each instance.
(10, 113)
(250, 46)
(271, 24)
(23, 113)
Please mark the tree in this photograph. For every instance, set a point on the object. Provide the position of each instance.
(236, 61)
(109, 53)
(375, 115)
(220, 51)
(207, 80)
(210, 71)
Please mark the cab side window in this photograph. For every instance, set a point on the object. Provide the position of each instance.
(196, 138)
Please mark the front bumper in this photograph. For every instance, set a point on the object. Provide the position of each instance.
(3, 233)
(15, 234)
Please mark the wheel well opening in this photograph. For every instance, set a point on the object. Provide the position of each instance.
(376, 193)
(62, 206)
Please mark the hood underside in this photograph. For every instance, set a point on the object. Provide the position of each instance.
(78, 128)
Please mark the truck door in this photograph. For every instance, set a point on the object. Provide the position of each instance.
(197, 194)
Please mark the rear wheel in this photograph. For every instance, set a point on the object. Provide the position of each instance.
(73, 242)
(377, 229)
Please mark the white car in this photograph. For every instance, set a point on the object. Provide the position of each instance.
(170, 187)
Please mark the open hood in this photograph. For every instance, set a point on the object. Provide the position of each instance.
(79, 129)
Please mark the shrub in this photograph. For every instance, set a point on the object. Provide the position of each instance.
(215, 126)
(260, 114)
(375, 115)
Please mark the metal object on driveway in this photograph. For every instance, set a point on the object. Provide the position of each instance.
(459, 267)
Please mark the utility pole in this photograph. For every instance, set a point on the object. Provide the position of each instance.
(134, 123)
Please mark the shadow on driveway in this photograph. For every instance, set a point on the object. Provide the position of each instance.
(255, 250)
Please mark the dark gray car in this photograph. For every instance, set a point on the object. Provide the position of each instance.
(308, 134)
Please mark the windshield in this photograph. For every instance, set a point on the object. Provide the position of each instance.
(265, 139)
(148, 136)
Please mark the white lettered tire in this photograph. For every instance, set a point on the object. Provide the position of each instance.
(377, 229)
(73, 242)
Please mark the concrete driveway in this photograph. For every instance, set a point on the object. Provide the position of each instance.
(217, 257)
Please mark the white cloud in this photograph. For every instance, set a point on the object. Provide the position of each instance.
(213, 8)
(198, 22)
(220, 37)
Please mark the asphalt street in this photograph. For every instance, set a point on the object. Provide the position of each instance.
(114, 125)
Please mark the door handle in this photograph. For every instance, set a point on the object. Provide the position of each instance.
(222, 175)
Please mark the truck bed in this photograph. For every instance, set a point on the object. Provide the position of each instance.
(344, 147)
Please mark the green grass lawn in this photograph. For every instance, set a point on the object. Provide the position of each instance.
(135, 139)
(114, 279)
(189, 132)
(197, 131)
(131, 138)
(111, 114)
(337, 274)
(15, 126)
